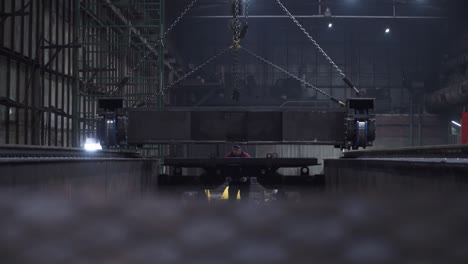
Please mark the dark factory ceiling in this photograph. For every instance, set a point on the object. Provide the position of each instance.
(337, 7)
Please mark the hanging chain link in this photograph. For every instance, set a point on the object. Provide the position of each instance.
(159, 41)
(235, 50)
(199, 67)
(247, 3)
(312, 40)
(235, 63)
(237, 23)
(302, 81)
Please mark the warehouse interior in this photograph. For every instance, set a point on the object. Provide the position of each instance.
(344, 120)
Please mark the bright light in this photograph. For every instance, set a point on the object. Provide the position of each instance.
(330, 25)
(455, 123)
(92, 144)
(387, 30)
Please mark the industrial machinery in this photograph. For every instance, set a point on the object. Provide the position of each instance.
(238, 172)
(359, 124)
(351, 125)
(111, 125)
(346, 128)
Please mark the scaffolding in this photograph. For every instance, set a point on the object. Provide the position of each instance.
(115, 36)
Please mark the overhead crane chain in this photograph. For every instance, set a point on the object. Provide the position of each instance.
(245, 27)
(199, 67)
(152, 48)
(247, 3)
(345, 79)
(235, 50)
(311, 39)
(293, 76)
(237, 23)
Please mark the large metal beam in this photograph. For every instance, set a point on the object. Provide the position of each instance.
(218, 125)
(244, 163)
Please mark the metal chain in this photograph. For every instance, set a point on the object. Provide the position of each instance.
(312, 39)
(302, 81)
(235, 63)
(237, 24)
(199, 67)
(247, 3)
(169, 29)
(236, 43)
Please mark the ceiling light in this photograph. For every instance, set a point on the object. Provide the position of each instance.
(455, 123)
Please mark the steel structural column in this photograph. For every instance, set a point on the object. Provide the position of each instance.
(75, 122)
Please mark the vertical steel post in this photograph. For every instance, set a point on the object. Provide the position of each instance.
(75, 121)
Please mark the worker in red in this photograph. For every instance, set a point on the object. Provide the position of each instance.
(238, 186)
(237, 152)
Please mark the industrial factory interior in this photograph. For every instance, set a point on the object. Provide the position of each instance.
(234, 131)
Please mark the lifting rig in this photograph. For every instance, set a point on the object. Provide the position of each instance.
(350, 126)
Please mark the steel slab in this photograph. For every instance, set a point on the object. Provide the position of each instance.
(147, 126)
(240, 162)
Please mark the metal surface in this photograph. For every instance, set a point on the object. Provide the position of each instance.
(432, 168)
(36, 168)
(417, 175)
(239, 171)
(242, 125)
(118, 176)
(443, 151)
(240, 162)
(20, 151)
(313, 126)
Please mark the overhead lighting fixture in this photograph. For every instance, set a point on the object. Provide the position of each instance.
(457, 124)
(387, 30)
(330, 25)
(327, 12)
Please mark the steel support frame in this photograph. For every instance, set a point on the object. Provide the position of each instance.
(117, 37)
(26, 72)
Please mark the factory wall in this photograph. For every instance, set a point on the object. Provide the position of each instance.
(452, 94)
(396, 131)
(36, 72)
(58, 57)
